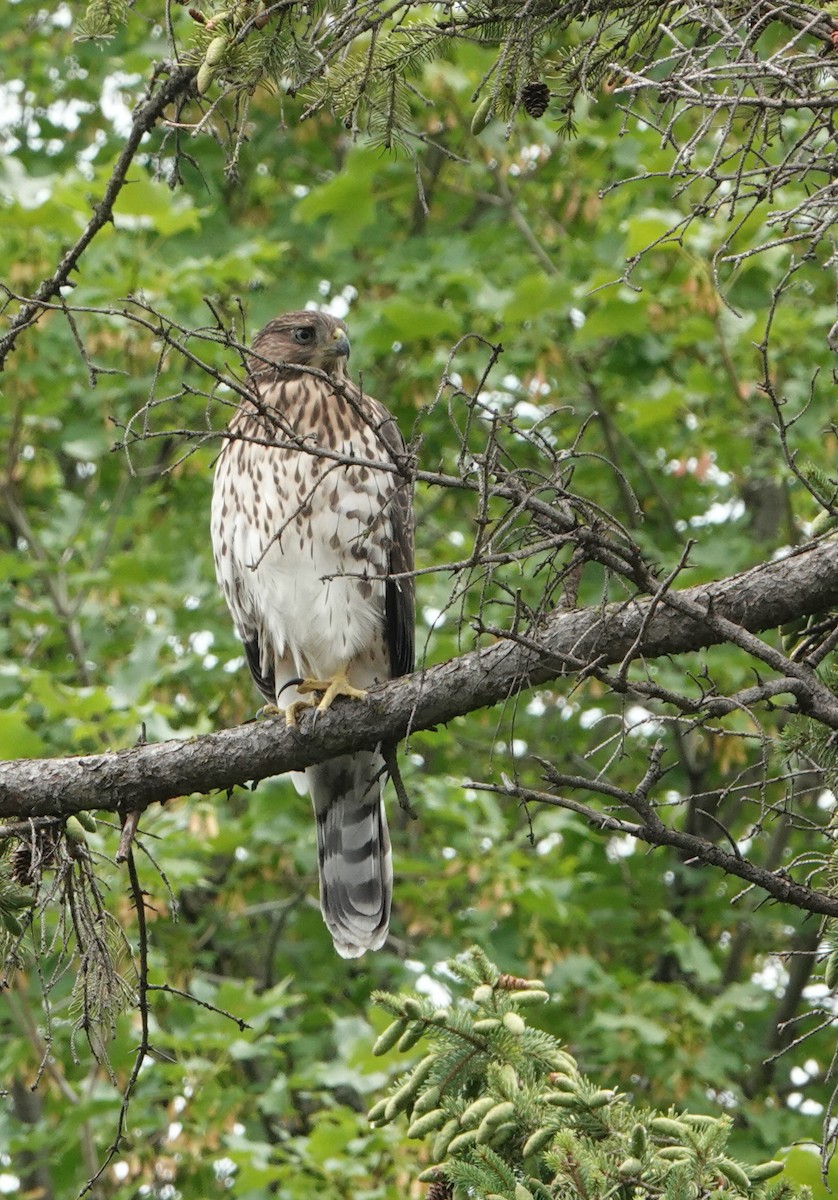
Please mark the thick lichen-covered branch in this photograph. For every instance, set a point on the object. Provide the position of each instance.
(566, 643)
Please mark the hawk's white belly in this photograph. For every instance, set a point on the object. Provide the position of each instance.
(310, 579)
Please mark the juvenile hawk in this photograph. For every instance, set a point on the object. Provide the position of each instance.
(313, 554)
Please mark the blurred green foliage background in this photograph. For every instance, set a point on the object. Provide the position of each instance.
(666, 981)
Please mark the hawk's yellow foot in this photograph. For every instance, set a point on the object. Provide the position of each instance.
(295, 707)
(338, 685)
(290, 712)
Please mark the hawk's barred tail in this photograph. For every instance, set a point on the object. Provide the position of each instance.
(353, 850)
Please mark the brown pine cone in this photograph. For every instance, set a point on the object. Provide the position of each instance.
(535, 98)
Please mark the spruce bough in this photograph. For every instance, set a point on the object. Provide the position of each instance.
(506, 1114)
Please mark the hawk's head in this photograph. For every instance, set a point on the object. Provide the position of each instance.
(304, 339)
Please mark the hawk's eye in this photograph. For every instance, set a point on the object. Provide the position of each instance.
(304, 334)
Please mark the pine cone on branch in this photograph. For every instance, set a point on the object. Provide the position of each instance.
(535, 97)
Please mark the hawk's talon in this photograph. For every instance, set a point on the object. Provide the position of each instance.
(331, 688)
(313, 685)
(339, 685)
(294, 707)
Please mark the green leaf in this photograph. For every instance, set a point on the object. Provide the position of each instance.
(647, 1032)
(347, 200)
(17, 738)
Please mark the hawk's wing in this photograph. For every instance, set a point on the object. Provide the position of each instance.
(399, 605)
(263, 675)
(227, 517)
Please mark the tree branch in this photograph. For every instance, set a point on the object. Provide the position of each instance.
(146, 117)
(650, 829)
(769, 595)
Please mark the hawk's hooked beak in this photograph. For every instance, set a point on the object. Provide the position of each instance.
(340, 347)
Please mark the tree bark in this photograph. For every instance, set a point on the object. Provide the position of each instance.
(772, 594)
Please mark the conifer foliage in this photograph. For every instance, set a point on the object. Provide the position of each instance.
(506, 1113)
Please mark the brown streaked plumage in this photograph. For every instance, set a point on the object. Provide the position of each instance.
(312, 555)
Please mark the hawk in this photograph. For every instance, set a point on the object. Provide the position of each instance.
(312, 531)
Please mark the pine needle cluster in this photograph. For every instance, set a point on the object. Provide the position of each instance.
(102, 19)
(365, 63)
(816, 742)
(51, 903)
(247, 44)
(365, 67)
(824, 487)
(506, 1114)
